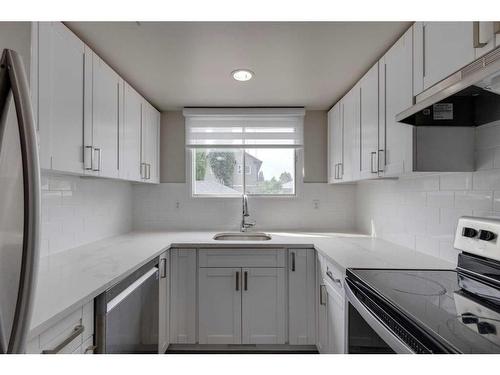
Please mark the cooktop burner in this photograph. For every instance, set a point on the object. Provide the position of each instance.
(408, 283)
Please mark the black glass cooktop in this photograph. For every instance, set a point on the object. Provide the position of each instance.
(455, 309)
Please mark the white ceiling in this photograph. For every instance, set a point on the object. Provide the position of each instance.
(178, 64)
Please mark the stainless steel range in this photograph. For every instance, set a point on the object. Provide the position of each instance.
(431, 311)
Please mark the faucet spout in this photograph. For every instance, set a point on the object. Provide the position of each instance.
(244, 214)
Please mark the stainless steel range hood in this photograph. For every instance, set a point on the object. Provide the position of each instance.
(468, 98)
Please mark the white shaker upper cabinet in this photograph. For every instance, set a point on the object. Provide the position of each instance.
(130, 135)
(350, 115)
(150, 147)
(106, 87)
(395, 95)
(369, 118)
(335, 143)
(442, 48)
(61, 98)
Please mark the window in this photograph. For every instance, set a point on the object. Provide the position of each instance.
(269, 171)
(260, 142)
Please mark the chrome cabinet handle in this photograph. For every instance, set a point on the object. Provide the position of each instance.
(322, 294)
(74, 334)
(372, 155)
(149, 171)
(13, 78)
(423, 51)
(143, 171)
(335, 172)
(476, 35)
(293, 261)
(341, 170)
(381, 169)
(163, 268)
(245, 274)
(237, 280)
(98, 150)
(330, 275)
(86, 158)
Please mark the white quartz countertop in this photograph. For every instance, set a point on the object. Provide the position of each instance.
(71, 278)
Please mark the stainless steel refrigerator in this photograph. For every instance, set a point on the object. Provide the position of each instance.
(19, 204)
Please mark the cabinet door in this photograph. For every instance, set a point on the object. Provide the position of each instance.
(164, 303)
(396, 95)
(155, 144)
(148, 143)
(105, 117)
(301, 293)
(322, 311)
(448, 46)
(350, 116)
(369, 107)
(183, 296)
(130, 135)
(263, 306)
(336, 322)
(219, 317)
(61, 93)
(335, 142)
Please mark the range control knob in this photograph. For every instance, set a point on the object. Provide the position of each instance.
(469, 232)
(486, 235)
(485, 328)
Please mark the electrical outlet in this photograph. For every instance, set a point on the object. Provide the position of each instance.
(316, 204)
(177, 205)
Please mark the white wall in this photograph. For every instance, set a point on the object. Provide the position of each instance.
(170, 206)
(76, 211)
(421, 212)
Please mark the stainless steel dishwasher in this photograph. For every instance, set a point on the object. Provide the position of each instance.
(126, 315)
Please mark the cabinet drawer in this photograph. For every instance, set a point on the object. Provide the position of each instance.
(331, 275)
(242, 257)
(64, 332)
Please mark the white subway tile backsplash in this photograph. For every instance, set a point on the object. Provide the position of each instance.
(475, 200)
(448, 196)
(170, 207)
(77, 210)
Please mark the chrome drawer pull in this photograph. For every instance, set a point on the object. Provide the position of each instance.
(330, 275)
(76, 332)
(322, 295)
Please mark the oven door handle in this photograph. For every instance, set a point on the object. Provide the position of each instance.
(379, 327)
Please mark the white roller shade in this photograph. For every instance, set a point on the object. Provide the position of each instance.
(249, 128)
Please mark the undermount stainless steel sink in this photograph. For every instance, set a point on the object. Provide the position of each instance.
(242, 236)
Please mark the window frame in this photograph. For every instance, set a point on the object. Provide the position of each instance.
(298, 166)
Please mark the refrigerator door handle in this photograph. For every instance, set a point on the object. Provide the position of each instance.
(13, 77)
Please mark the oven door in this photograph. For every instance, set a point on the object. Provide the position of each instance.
(366, 333)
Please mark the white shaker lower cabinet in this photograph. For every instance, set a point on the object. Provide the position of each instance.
(183, 297)
(238, 304)
(336, 321)
(60, 97)
(330, 310)
(164, 303)
(263, 317)
(301, 296)
(219, 305)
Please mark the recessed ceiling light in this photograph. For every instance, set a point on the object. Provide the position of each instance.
(242, 75)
